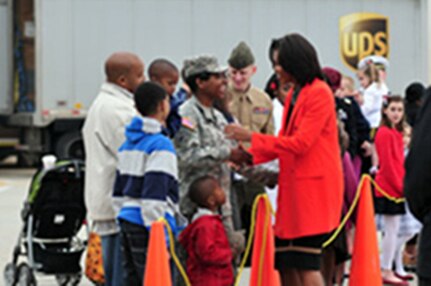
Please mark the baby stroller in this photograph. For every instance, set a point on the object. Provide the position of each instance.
(53, 214)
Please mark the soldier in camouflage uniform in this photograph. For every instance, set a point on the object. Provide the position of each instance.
(201, 145)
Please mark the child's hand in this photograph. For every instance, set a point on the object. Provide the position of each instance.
(373, 170)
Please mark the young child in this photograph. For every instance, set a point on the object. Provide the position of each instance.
(210, 257)
(347, 89)
(146, 181)
(363, 148)
(373, 93)
(389, 177)
(166, 74)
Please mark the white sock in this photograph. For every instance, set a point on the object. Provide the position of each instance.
(389, 241)
(399, 266)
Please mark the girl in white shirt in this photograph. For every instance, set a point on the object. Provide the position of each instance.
(374, 90)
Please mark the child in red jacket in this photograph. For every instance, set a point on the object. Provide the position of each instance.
(210, 257)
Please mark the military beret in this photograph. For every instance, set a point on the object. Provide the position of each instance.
(241, 56)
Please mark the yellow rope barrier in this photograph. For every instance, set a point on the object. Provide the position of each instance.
(249, 240)
(251, 235)
(355, 202)
(347, 216)
(267, 221)
(174, 256)
(380, 190)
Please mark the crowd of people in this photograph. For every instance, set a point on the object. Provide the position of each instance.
(199, 157)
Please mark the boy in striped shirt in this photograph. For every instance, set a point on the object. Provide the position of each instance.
(146, 184)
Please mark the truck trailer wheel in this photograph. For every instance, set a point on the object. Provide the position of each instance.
(70, 146)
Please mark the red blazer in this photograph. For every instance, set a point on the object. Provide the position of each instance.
(209, 260)
(310, 183)
(390, 149)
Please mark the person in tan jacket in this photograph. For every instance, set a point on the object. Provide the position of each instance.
(252, 108)
(103, 134)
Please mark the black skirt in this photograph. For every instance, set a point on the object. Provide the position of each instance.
(340, 247)
(303, 253)
(388, 207)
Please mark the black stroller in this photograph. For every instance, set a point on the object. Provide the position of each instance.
(53, 214)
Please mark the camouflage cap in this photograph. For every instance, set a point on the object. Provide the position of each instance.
(201, 64)
(241, 56)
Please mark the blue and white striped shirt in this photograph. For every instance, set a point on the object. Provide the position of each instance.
(146, 184)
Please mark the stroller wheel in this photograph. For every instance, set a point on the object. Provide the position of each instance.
(62, 279)
(75, 279)
(68, 279)
(10, 274)
(25, 276)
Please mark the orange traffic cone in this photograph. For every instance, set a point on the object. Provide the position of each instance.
(262, 263)
(157, 271)
(365, 267)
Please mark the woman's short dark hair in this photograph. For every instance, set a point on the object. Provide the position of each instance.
(191, 80)
(298, 58)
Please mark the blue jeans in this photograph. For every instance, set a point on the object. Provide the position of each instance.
(112, 259)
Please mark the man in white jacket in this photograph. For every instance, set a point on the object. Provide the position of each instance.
(103, 134)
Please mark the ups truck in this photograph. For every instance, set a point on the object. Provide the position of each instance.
(52, 51)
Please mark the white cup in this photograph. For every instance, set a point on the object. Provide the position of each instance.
(49, 161)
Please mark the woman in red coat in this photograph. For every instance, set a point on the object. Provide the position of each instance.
(310, 181)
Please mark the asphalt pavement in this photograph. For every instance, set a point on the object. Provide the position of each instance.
(14, 186)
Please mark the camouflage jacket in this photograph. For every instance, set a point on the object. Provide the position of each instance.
(202, 149)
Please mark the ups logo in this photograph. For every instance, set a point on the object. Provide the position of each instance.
(361, 35)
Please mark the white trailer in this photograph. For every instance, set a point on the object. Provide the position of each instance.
(72, 38)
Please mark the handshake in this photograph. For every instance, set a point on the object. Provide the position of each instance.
(242, 160)
(239, 156)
